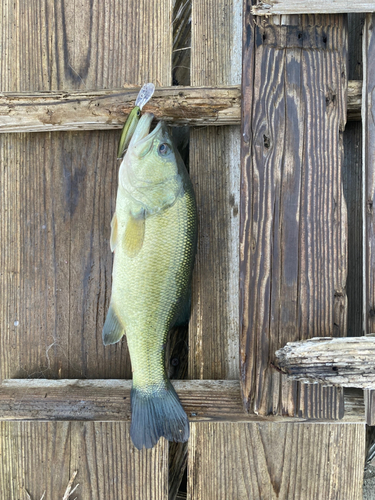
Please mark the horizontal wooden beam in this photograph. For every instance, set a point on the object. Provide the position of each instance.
(108, 109)
(270, 7)
(347, 362)
(109, 400)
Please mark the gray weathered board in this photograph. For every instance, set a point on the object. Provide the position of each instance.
(271, 7)
(108, 109)
(368, 141)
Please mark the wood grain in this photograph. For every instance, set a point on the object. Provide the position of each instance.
(60, 188)
(110, 467)
(214, 170)
(368, 141)
(276, 461)
(108, 109)
(293, 214)
(271, 7)
(57, 197)
(348, 362)
(35, 458)
(369, 406)
(109, 400)
(41, 457)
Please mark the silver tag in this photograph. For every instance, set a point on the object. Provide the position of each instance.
(145, 94)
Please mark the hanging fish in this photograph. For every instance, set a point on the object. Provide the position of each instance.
(153, 236)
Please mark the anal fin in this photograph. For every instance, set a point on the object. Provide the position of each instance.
(113, 330)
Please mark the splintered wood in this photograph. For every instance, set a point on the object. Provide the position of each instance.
(348, 362)
(108, 109)
(293, 261)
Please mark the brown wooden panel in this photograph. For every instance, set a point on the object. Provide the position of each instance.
(41, 457)
(276, 461)
(110, 467)
(35, 458)
(214, 169)
(57, 197)
(58, 190)
(293, 214)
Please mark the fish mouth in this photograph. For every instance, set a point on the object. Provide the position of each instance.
(142, 136)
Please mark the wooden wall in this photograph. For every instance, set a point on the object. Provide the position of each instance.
(57, 193)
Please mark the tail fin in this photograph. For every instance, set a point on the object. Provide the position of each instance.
(156, 413)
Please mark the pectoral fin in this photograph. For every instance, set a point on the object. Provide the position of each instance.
(134, 234)
(113, 240)
(113, 330)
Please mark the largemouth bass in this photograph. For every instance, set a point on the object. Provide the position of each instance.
(154, 233)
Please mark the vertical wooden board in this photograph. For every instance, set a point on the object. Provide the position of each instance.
(276, 461)
(368, 137)
(353, 179)
(109, 466)
(369, 397)
(34, 243)
(368, 130)
(214, 169)
(49, 45)
(34, 458)
(58, 190)
(293, 213)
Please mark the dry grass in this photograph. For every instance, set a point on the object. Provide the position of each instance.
(68, 492)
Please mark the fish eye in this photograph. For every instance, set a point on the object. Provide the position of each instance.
(164, 148)
(139, 112)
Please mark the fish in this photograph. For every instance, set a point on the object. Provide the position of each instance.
(128, 131)
(154, 239)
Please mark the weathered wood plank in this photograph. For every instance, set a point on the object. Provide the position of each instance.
(293, 213)
(270, 7)
(276, 461)
(368, 139)
(214, 170)
(111, 467)
(58, 191)
(108, 109)
(348, 362)
(33, 464)
(109, 400)
(40, 457)
(56, 279)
